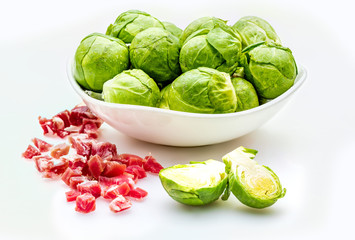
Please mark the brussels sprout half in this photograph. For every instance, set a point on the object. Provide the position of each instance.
(270, 68)
(254, 185)
(209, 42)
(156, 52)
(98, 59)
(254, 29)
(247, 97)
(132, 87)
(196, 183)
(130, 23)
(202, 90)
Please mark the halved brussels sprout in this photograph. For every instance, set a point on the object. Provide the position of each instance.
(202, 90)
(270, 68)
(196, 183)
(132, 87)
(99, 58)
(130, 23)
(209, 42)
(254, 29)
(173, 29)
(156, 52)
(247, 97)
(254, 185)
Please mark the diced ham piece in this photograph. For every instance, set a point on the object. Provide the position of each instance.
(72, 195)
(105, 150)
(136, 171)
(130, 159)
(69, 173)
(92, 187)
(96, 166)
(126, 177)
(76, 161)
(42, 146)
(113, 169)
(137, 193)
(114, 191)
(75, 180)
(60, 150)
(119, 204)
(85, 203)
(30, 152)
(50, 167)
(65, 118)
(82, 146)
(78, 113)
(151, 165)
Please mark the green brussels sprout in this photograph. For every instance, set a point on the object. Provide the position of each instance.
(132, 87)
(164, 100)
(195, 183)
(156, 52)
(130, 23)
(247, 97)
(270, 68)
(173, 29)
(202, 90)
(254, 185)
(98, 59)
(254, 29)
(209, 42)
(200, 26)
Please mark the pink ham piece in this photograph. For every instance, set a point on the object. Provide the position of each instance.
(85, 203)
(136, 171)
(137, 193)
(30, 152)
(113, 169)
(114, 191)
(96, 166)
(119, 204)
(151, 165)
(60, 150)
(42, 146)
(72, 195)
(93, 187)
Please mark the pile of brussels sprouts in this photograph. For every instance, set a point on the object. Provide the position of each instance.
(210, 67)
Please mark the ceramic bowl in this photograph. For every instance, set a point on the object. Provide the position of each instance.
(183, 129)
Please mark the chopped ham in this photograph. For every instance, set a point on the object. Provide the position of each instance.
(119, 204)
(136, 171)
(30, 152)
(60, 150)
(151, 165)
(72, 195)
(42, 146)
(85, 203)
(96, 166)
(114, 169)
(137, 193)
(92, 187)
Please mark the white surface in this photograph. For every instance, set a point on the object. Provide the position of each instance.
(182, 129)
(309, 144)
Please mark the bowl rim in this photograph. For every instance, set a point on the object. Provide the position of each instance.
(299, 81)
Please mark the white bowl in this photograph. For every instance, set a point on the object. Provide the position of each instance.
(183, 129)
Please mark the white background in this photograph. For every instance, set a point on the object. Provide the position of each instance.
(309, 144)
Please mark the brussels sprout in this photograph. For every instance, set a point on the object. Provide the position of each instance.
(173, 29)
(254, 185)
(247, 97)
(254, 29)
(270, 68)
(202, 90)
(98, 59)
(132, 87)
(195, 183)
(201, 26)
(209, 42)
(130, 23)
(164, 100)
(156, 51)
